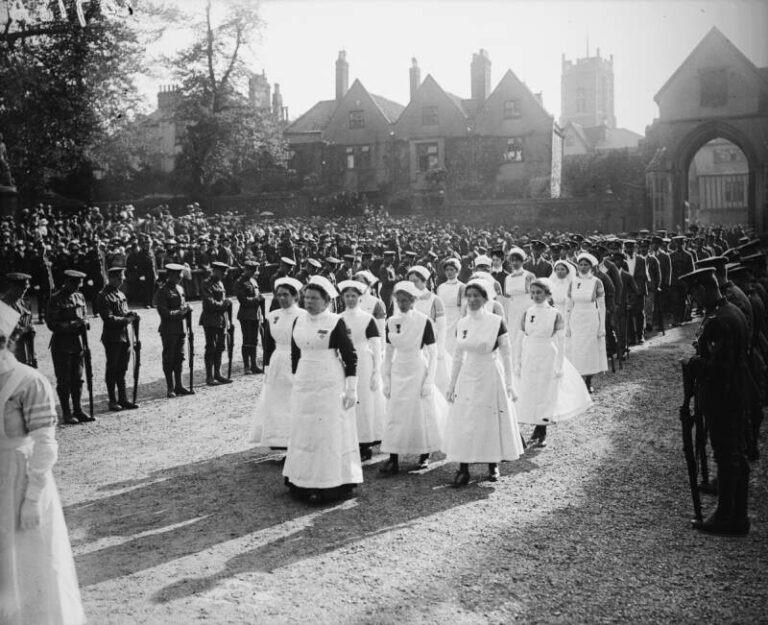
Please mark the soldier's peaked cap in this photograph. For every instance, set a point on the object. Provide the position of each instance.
(115, 269)
(718, 262)
(219, 265)
(174, 267)
(287, 261)
(251, 264)
(74, 273)
(698, 276)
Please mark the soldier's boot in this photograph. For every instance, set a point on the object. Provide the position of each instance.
(122, 396)
(245, 351)
(169, 389)
(217, 372)
(178, 387)
(740, 518)
(719, 522)
(77, 409)
(66, 413)
(209, 379)
(114, 406)
(254, 367)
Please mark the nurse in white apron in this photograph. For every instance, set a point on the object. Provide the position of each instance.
(38, 583)
(560, 281)
(451, 294)
(517, 293)
(370, 302)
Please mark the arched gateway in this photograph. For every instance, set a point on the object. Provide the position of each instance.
(717, 93)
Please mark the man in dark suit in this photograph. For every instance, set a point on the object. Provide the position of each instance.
(536, 263)
(626, 303)
(682, 263)
(638, 269)
(659, 250)
(654, 282)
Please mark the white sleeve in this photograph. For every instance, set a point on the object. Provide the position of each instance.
(44, 454)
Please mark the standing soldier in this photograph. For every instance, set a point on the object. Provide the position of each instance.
(682, 263)
(722, 379)
(215, 322)
(65, 317)
(142, 267)
(638, 269)
(658, 245)
(537, 264)
(42, 278)
(173, 309)
(250, 314)
(18, 283)
(112, 305)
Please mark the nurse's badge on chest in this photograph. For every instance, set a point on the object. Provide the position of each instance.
(276, 319)
(397, 328)
(322, 333)
(532, 318)
(464, 334)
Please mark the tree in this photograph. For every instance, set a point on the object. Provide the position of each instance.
(614, 172)
(227, 139)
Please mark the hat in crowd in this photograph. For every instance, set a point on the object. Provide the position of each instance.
(679, 238)
(739, 272)
(420, 271)
(349, 257)
(486, 286)
(698, 276)
(517, 251)
(360, 287)
(406, 286)
(753, 259)
(588, 257)
(332, 261)
(718, 262)
(483, 261)
(367, 277)
(313, 262)
(498, 253)
(565, 264)
(74, 273)
(18, 276)
(411, 253)
(174, 267)
(287, 261)
(115, 269)
(8, 319)
(544, 283)
(389, 252)
(251, 264)
(325, 284)
(219, 265)
(452, 262)
(290, 282)
(538, 244)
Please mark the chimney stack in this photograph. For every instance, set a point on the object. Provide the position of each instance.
(480, 72)
(277, 103)
(415, 75)
(342, 75)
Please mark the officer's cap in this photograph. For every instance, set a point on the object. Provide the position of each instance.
(287, 261)
(251, 264)
(718, 262)
(349, 257)
(698, 276)
(115, 269)
(389, 252)
(411, 253)
(332, 261)
(679, 238)
(73, 273)
(753, 259)
(174, 267)
(314, 263)
(219, 265)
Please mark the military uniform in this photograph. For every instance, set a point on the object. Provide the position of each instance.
(112, 306)
(214, 321)
(173, 310)
(250, 313)
(24, 335)
(66, 317)
(681, 263)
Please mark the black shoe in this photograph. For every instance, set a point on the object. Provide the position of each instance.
(257, 370)
(366, 453)
(494, 474)
(460, 479)
(114, 407)
(222, 380)
(68, 419)
(82, 417)
(211, 382)
(424, 461)
(729, 527)
(127, 405)
(392, 467)
(180, 390)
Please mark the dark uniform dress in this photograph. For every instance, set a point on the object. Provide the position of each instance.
(112, 307)
(723, 390)
(172, 308)
(215, 323)
(65, 316)
(250, 313)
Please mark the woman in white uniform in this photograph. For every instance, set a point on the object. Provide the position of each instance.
(560, 282)
(451, 294)
(38, 583)
(414, 415)
(481, 422)
(323, 460)
(492, 305)
(517, 293)
(585, 321)
(364, 333)
(272, 424)
(432, 306)
(370, 302)
(550, 388)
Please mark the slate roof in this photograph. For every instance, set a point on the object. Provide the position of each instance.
(390, 109)
(315, 119)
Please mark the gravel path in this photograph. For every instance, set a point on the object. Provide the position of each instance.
(174, 519)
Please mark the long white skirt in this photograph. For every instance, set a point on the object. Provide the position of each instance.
(323, 451)
(452, 316)
(414, 424)
(38, 583)
(583, 348)
(272, 422)
(482, 426)
(514, 309)
(371, 405)
(543, 398)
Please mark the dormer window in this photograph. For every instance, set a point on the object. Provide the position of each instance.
(511, 109)
(356, 120)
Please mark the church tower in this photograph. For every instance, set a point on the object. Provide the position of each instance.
(586, 91)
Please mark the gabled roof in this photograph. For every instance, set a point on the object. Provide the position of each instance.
(315, 119)
(459, 102)
(714, 35)
(390, 109)
(508, 76)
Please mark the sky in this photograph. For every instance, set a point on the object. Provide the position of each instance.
(301, 39)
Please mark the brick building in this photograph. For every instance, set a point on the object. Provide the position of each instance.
(495, 141)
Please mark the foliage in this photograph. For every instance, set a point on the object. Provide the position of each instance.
(227, 141)
(616, 172)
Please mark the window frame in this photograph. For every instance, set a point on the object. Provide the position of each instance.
(356, 119)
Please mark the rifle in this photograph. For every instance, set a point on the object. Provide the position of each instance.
(688, 421)
(88, 366)
(29, 348)
(230, 339)
(191, 343)
(136, 356)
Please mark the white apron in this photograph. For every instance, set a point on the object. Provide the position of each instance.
(543, 398)
(481, 422)
(323, 451)
(38, 583)
(371, 405)
(516, 303)
(426, 304)
(450, 294)
(560, 293)
(272, 423)
(583, 348)
(414, 423)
